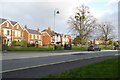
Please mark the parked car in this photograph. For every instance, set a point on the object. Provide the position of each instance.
(94, 48)
(30, 45)
(116, 47)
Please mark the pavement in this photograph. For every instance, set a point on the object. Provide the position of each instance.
(23, 55)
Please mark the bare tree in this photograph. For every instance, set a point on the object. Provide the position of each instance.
(82, 23)
(106, 30)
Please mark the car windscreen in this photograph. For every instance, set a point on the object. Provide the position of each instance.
(96, 47)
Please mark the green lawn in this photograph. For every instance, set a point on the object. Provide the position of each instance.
(46, 48)
(35, 49)
(105, 69)
(108, 47)
(84, 48)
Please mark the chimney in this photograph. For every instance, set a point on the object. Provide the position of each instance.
(25, 26)
(49, 28)
(38, 29)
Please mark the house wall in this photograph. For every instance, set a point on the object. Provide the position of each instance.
(65, 39)
(6, 31)
(17, 33)
(57, 38)
(35, 37)
(25, 35)
(46, 39)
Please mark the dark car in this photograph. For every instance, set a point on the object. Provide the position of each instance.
(117, 47)
(94, 48)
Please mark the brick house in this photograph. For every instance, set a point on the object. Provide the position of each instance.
(66, 39)
(99, 40)
(46, 38)
(50, 37)
(32, 36)
(17, 32)
(6, 31)
(10, 31)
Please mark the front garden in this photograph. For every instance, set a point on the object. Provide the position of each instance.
(24, 46)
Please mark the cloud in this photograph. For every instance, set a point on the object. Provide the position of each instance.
(39, 13)
(112, 2)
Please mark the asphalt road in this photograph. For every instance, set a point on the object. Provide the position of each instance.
(27, 68)
(17, 64)
(39, 72)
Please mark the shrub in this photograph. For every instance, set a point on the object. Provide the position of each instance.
(50, 45)
(14, 43)
(110, 42)
(18, 44)
(59, 48)
(23, 43)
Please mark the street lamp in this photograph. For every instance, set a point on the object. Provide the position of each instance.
(56, 11)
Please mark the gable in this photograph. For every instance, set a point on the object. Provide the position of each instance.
(17, 27)
(45, 34)
(7, 24)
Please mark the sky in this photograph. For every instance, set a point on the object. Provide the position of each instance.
(40, 13)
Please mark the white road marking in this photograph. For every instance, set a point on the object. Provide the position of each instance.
(117, 54)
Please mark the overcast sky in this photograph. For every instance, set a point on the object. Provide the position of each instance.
(40, 13)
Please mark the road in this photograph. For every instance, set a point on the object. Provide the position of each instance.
(27, 67)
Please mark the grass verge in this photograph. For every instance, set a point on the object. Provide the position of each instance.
(105, 69)
(84, 48)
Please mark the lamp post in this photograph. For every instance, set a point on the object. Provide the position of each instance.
(56, 11)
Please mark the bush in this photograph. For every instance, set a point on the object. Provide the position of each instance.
(59, 48)
(110, 42)
(50, 45)
(23, 43)
(18, 44)
(14, 43)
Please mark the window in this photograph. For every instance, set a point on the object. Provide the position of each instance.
(35, 36)
(32, 36)
(39, 37)
(17, 33)
(8, 32)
